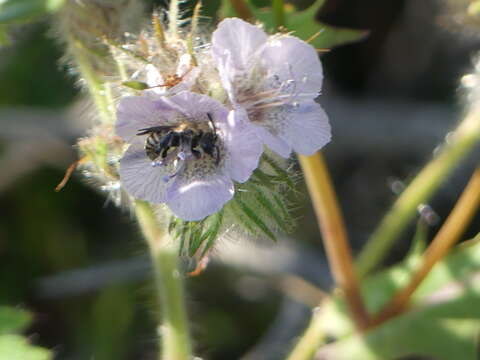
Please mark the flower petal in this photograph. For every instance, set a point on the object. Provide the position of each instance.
(307, 129)
(290, 58)
(195, 200)
(184, 64)
(275, 143)
(244, 147)
(237, 42)
(154, 78)
(139, 112)
(140, 178)
(196, 106)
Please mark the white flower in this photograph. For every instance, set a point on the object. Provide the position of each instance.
(183, 79)
(276, 80)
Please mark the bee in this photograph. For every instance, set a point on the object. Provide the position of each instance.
(162, 140)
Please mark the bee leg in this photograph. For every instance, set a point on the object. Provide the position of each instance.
(170, 140)
(217, 155)
(211, 123)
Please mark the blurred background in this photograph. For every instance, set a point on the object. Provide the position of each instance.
(79, 263)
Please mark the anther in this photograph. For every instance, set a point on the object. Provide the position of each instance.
(156, 163)
(181, 155)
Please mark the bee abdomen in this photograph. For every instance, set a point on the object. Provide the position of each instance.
(152, 145)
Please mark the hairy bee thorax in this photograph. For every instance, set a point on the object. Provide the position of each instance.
(177, 145)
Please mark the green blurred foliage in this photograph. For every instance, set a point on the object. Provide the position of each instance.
(31, 72)
(15, 347)
(44, 233)
(12, 345)
(444, 322)
(18, 11)
(303, 23)
(13, 320)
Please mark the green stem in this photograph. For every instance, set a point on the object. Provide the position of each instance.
(278, 12)
(175, 335)
(310, 341)
(100, 93)
(419, 191)
(334, 234)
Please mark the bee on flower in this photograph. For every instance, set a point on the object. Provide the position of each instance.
(203, 118)
(185, 151)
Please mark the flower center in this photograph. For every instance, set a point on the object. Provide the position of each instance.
(175, 146)
(262, 92)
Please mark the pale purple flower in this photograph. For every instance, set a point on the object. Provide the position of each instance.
(192, 182)
(276, 80)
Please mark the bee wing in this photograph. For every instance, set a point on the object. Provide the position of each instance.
(153, 129)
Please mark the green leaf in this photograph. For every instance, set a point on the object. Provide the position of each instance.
(443, 320)
(441, 339)
(213, 230)
(283, 175)
(256, 221)
(13, 320)
(16, 347)
(196, 235)
(18, 11)
(305, 26)
(136, 85)
(273, 210)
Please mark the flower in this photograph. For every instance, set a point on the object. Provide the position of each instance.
(276, 80)
(191, 170)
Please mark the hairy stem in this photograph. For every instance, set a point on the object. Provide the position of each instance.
(448, 235)
(193, 32)
(173, 17)
(175, 335)
(97, 88)
(419, 191)
(334, 234)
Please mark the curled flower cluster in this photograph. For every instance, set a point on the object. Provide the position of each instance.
(200, 115)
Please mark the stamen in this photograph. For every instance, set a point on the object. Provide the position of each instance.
(261, 94)
(269, 105)
(179, 166)
(182, 156)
